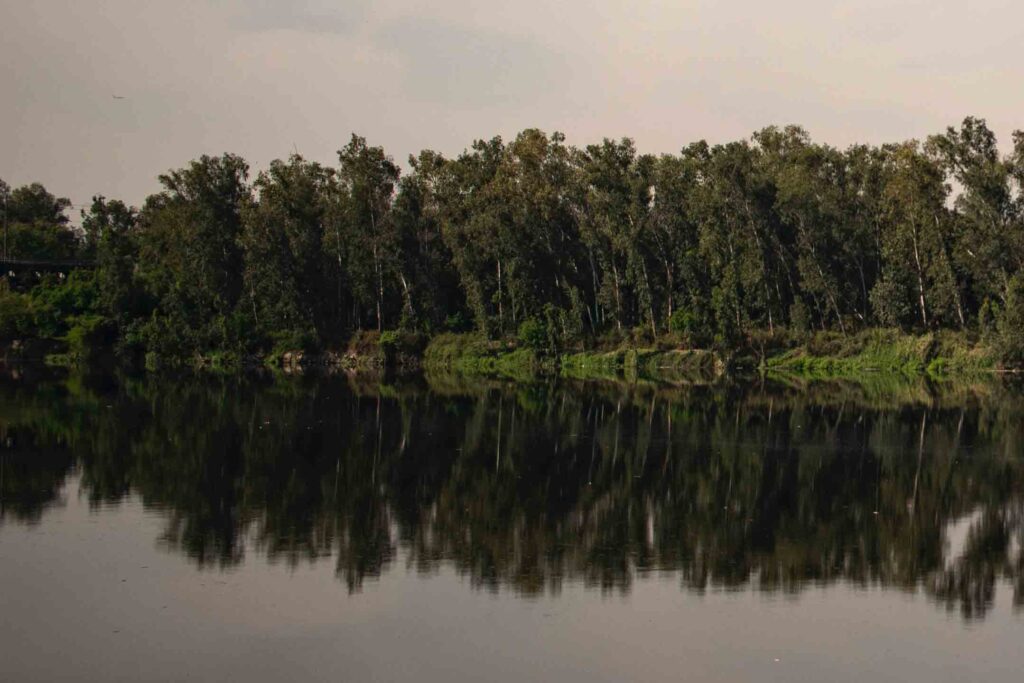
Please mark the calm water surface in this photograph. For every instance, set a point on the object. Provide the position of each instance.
(437, 529)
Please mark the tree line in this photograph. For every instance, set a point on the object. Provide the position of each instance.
(761, 236)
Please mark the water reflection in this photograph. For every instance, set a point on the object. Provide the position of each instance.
(528, 486)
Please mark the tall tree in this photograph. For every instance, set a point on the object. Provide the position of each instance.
(993, 246)
(109, 228)
(369, 176)
(36, 224)
(286, 287)
(190, 257)
(916, 245)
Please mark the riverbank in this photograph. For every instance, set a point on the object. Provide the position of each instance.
(880, 351)
(821, 356)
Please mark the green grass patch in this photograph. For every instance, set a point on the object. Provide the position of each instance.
(832, 356)
(472, 354)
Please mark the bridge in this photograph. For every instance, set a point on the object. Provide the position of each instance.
(15, 265)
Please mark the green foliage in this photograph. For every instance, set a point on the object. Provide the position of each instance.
(591, 365)
(732, 246)
(401, 347)
(533, 334)
(447, 349)
(36, 223)
(892, 300)
(692, 326)
(190, 260)
(87, 334)
(364, 342)
(16, 318)
(283, 341)
(1011, 324)
(457, 322)
(830, 355)
(55, 303)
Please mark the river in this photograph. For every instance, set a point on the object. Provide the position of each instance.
(438, 528)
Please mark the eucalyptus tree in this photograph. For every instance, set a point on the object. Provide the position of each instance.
(917, 243)
(817, 198)
(745, 257)
(190, 258)
(286, 278)
(537, 232)
(674, 234)
(864, 212)
(368, 178)
(109, 228)
(471, 226)
(992, 249)
(430, 283)
(616, 198)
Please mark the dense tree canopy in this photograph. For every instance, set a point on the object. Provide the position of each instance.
(711, 245)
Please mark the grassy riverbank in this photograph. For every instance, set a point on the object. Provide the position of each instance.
(822, 356)
(873, 352)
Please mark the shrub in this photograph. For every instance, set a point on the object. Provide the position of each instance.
(682, 321)
(87, 333)
(458, 322)
(1011, 323)
(533, 334)
(364, 342)
(892, 300)
(56, 302)
(691, 325)
(15, 315)
(293, 340)
(799, 317)
(398, 345)
(445, 350)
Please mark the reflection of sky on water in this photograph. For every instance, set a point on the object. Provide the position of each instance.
(533, 488)
(93, 583)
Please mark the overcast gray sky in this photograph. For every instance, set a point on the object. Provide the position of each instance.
(259, 77)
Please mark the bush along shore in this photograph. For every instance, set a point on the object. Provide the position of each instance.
(531, 255)
(819, 356)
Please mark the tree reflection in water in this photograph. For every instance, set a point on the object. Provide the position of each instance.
(528, 486)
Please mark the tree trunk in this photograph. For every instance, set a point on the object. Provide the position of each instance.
(650, 297)
(501, 314)
(406, 293)
(952, 277)
(380, 289)
(618, 300)
(920, 278)
(671, 286)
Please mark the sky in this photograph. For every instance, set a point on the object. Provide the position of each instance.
(264, 78)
